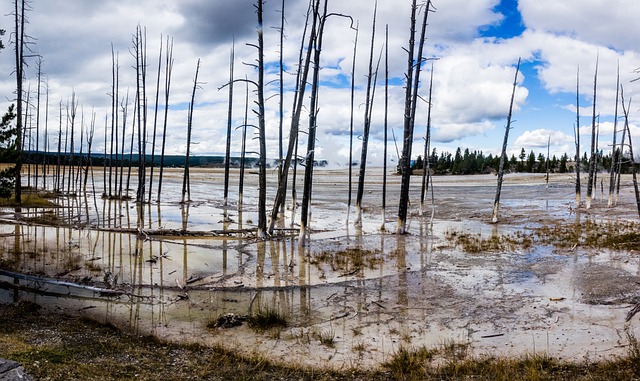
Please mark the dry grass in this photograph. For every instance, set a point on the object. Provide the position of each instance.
(72, 348)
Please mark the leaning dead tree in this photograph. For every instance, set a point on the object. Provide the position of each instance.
(313, 114)
(625, 110)
(304, 62)
(368, 108)
(410, 104)
(576, 136)
(322, 17)
(503, 155)
(592, 158)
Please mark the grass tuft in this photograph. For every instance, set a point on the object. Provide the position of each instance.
(267, 318)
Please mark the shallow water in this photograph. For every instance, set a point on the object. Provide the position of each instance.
(370, 290)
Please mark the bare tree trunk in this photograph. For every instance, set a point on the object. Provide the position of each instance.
(133, 134)
(155, 122)
(90, 135)
(227, 157)
(576, 134)
(71, 114)
(167, 86)
(367, 125)
(114, 111)
(281, 103)
(185, 179)
(427, 149)
(612, 172)
(125, 108)
(353, 87)
(140, 50)
(243, 149)
(620, 158)
(308, 170)
(262, 164)
(45, 160)
(592, 159)
(503, 156)
(386, 125)
(625, 110)
(292, 149)
(38, 119)
(58, 159)
(411, 98)
(548, 162)
(19, 50)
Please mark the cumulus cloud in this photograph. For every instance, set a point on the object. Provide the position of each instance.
(473, 75)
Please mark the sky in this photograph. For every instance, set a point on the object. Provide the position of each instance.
(474, 47)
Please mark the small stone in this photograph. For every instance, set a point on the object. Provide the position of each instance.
(12, 371)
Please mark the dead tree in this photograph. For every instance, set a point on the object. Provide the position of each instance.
(386, 125)
(313, 115)
(427, 148)
(186, 193)
(140, 50)
(576, 135)
(71, 115)
(45, 159)
(155, 122)
(313, 110)
(620, 157)
(167, 87)
(38, 118)
(114, 112)
(58, 159)
(243, 149)
(625, 110)
(19, 18)
(304, 61)
(592, 158)
(411, 97)
(612, 172)
(367, 124)
(90, 134)
(281, 98)
(262, 163)
(353, 88)
(227, 157)
(125, 107)
(503, 155)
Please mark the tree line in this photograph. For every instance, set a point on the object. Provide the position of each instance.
(468, 162)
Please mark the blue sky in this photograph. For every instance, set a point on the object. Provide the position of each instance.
(477, 51)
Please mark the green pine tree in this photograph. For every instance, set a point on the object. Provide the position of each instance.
(8, 152)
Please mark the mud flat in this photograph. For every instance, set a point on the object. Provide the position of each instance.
(354, 295)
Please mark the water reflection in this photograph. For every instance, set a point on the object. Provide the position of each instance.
(108, 259)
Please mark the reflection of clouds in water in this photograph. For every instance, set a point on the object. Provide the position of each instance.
(345, 280)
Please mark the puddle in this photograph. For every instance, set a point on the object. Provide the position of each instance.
(370, 291)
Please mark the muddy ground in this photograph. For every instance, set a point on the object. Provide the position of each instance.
(353, 296)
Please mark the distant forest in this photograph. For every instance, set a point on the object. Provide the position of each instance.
(462, 162)
(170, 161)
(466, 162)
